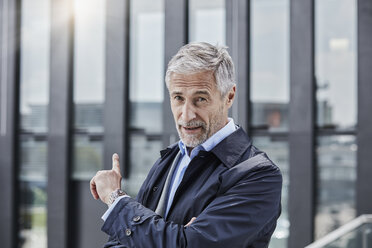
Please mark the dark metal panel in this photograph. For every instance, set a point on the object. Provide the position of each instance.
(364, 132)
(237, 38)
(176, 35)
(301, 116)
(85, 225)
(9, 100)
(330, 132)
(60, 100)
(116, 110)
(267, 133)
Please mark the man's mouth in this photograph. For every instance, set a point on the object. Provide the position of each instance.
(191, 129)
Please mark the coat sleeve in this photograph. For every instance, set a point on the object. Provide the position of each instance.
(114, 243)
(242, 214)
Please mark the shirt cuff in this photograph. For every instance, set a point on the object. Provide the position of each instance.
(109, 210)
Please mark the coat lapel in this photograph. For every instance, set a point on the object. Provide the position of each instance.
(157, 181)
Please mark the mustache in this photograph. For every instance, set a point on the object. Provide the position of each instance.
(192, 123)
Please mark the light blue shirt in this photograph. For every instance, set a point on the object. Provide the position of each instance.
(185, 157)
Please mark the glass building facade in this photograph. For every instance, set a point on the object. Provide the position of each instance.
(81, 79)
(336, 113)
(33, 123)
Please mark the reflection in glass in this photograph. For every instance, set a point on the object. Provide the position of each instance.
(33, 159)
(143, 153)
(33, 182)
(89, 64)
(88, 117)
(89, 87)
(34, 65)
(146, 64)
(336, 173)
(277, 150)
(207, 21)
(270, 64)
(146, 116)
(146, 89)
(335, 63)
(33, 214)
(87, 156)
(34, 100)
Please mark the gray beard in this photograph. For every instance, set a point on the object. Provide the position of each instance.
(194, 140)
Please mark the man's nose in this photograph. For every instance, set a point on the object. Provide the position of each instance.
(188, 112)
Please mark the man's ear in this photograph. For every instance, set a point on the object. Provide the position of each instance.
(231, 96)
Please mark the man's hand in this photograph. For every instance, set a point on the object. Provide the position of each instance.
(106, 181)
(190, 222)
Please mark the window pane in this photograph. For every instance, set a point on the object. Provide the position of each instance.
(146, 91)
(207, 21)
(32, 218)
(336, 173)
(270, 64)
(89, 87)
(34, 65)
(278, 151)
(149, 149)
(87, 156)
(33, 159)
(146, 65)
(335, 63)
(146, 117)
(33, 214)
(89, 64)
(34, 100)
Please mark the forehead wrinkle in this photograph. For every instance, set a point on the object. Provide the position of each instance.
(204, 79)
(191, 90)
(200, 86)
(202, 92)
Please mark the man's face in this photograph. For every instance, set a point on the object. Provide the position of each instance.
(197, 106)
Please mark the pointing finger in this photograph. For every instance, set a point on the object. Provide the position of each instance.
(115, 163)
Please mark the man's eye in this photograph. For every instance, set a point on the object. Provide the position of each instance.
(201, 99)
(178, 98)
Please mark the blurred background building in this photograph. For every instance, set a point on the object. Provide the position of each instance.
(82, 79)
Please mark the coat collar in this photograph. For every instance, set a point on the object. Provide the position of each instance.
(228, 150)
(168, 149)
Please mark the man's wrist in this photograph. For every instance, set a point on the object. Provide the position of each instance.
(114, 195)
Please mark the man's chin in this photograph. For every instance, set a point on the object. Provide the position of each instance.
(192, 141)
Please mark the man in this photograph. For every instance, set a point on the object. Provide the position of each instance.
(212, 188)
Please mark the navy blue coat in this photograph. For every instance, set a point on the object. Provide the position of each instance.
(233, 191)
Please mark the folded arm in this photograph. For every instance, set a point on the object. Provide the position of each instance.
(243, 214)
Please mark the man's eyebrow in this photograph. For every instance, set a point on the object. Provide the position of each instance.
(202, 92)
(176, 93)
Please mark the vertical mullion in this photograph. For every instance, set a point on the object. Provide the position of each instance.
(60, 115)
(237, 39)
(117, 83)
(9, 102)
(364, 131)
(301, 116)
(176, 35)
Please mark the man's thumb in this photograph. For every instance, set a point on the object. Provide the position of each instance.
(115, 163)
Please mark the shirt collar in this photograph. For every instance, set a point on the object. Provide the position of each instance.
(212, 141)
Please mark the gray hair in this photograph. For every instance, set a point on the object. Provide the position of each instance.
(201, 56)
